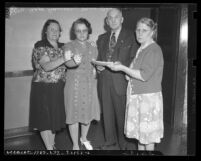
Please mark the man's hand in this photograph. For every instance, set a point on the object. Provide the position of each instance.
(116, 66)
(127, 77)
(100, 68)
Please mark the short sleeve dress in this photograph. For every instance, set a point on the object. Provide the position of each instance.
(80, 92)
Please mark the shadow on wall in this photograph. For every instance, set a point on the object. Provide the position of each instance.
(106, 27)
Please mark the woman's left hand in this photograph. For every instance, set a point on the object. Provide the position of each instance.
(77, 59)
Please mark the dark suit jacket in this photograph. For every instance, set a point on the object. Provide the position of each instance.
(125, 51)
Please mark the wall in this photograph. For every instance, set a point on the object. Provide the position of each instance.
(23, 29)
(17, 92)
(24, 26)
(132, 15)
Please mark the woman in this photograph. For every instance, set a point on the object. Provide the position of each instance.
(144, 113)
(47, 111)
(81, 99)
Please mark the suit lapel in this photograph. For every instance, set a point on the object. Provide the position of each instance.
(106, 45)
(120, 41)
(120, 38)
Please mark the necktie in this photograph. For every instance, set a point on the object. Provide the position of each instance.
(112, 44)
(112, 41)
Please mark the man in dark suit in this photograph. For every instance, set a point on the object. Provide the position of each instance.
(118, 44)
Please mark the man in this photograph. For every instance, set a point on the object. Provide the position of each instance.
(119, 45)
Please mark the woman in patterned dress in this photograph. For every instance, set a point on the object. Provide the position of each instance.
(144, 112)
(81, 100)
(47, 111)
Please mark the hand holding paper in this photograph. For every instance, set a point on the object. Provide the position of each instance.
(100, 68)
(116, 66)
(100, 63)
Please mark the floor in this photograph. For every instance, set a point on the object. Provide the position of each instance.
(173, 143)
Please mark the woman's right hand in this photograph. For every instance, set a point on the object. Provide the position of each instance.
(68, 55)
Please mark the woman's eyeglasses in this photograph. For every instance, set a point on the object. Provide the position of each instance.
(81, 31)
(141, 31)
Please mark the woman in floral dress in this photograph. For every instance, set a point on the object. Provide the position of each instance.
(81, 100)
(144, 112)
(47, 111)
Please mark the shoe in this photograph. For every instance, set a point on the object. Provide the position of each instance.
(54, 148)
(76, 148)
(124, 147)
(87, 144)
(109, 146)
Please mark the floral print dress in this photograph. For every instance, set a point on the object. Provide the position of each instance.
(40, 75)
(144, 115)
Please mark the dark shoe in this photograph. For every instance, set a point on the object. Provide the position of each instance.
(97, 148)
(108, 147)
(124, 147)
(54, 148)
(131, 146)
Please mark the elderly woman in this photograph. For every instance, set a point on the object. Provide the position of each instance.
(144, 113)
(47, 111)
(81, 100)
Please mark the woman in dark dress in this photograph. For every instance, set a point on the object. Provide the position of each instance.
(47, 111)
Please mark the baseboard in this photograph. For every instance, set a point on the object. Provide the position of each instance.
(17, 132)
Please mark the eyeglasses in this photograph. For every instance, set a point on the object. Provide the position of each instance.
(141, 31)
(81, 31)
(53, 30)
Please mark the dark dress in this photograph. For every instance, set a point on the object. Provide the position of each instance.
(47, 111)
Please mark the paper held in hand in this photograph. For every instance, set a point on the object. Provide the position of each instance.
(101, 63)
